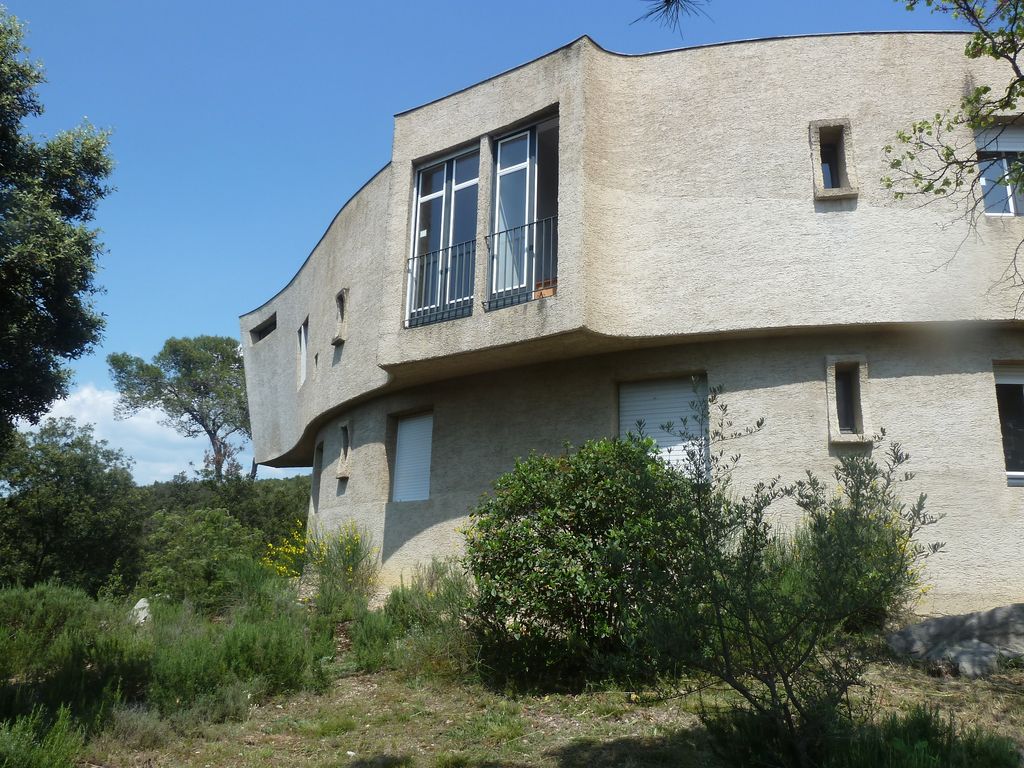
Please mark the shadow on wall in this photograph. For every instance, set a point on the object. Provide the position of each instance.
(406, 520)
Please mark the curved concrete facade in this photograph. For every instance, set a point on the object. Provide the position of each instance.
(692, 238)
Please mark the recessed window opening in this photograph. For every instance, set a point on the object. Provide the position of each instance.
(345, 442)
(264, 329)
(303, 334)
(440, 270)
(658, 402)
(318, 466)
(340, 332)
(524, 243)
(413, 438)
(832, 159)
(1010, 403)
(848, 398)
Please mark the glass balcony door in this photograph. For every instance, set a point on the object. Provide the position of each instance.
(441, 267)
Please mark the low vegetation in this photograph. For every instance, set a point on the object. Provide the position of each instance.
(611, 608)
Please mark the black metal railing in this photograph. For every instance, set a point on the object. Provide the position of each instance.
(441, 284)
(524, 263)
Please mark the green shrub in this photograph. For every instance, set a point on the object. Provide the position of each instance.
(31, 742)
(260, 647)
(861, 539)
(568, 555)
(922, 738)
(345, 565)
(194, 555)
(431, 617)
(62, 648)
(919, 738)
(373, 635)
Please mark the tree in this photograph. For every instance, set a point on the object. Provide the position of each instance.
(198, 383)
(945, 154)
(48, 194)
(68, 509)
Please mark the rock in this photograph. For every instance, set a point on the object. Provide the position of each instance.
(140, 613)
(971, 643)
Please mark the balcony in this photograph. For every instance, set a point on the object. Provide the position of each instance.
(441, 284)
(523, 264)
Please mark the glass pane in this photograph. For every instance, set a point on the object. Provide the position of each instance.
(461, 259)
(428, 238)
(1014, 168)
(467, 168)
(513, 151)
(992, 177)
(1010, 399)
(512, 200)
(431, 180)
(464, 222)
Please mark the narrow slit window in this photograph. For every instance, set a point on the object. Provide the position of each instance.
(848, 398)
(341, 329)
(318, 465)
(345, 444)
(303, 350)
(830, 162)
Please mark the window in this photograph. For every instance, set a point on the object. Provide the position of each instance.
(845, 382)
(1010, 402)
(1000, 153)
(318, 466)
(683, 402)
(524, 243)
(999, 195)
(344, 450)
(341, 330)
(848, 397)
(440, 270)
(303, 350)
(832, 157)
(412, 458)
(264, 329)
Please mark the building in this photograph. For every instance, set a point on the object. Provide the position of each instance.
(554, 252)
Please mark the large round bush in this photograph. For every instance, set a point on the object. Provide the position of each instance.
(571, 556)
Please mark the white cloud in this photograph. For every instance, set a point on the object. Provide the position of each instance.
(159, 452)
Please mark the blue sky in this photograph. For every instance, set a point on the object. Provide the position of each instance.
(239, 129)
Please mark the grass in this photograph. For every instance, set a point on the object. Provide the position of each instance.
(391, 719)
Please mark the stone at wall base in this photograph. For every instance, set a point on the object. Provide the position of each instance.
(971, 644)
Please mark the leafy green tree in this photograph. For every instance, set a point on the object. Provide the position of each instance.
(68, 509)
(271, 506)
(198, 383)
(193, 555)
(49, 190)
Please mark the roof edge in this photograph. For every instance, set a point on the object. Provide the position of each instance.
(681, 48)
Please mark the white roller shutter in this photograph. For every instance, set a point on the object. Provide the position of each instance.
(412, 458)
(658, 402)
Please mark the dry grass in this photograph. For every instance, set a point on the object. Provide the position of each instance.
(388, 720)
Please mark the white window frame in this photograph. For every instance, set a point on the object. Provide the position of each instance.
(1003, 141)
(447, 195)
(529, 206)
